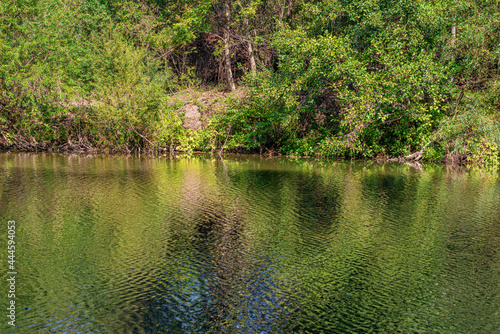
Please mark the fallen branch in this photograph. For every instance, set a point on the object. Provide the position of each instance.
(417, 155)
(227, 136)
(143, 137)
(458, 102)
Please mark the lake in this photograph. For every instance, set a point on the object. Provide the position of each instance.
(116, 244)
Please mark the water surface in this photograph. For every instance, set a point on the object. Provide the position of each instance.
(248, 245)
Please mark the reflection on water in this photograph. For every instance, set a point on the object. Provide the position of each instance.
(249, 245)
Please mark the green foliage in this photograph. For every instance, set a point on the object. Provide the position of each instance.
(474, 133)
(75, 74)
(323, 90)
(482, 153)
(368, 78)
(337, 78)
(281, 108)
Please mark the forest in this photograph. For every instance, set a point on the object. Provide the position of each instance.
(408, 79)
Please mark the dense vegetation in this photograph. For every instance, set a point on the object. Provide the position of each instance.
(358, 78)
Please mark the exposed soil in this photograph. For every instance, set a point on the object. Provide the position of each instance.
(199, 107)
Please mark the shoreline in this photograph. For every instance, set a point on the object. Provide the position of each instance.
(451, 161)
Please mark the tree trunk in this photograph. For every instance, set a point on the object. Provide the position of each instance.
(290, 8)
(251, 54)
(282, 11)
(227, 54)
(253, 66)
(454, 35)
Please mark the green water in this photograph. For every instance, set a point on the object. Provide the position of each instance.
(248, 245)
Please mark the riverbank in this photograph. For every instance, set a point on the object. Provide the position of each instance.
(194, 121)
(185, 123)
(86, 149)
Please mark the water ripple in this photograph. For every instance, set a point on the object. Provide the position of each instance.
(250, 245)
